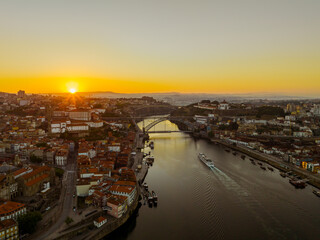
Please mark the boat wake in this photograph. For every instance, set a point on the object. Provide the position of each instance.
(229, 183)
(254, 206)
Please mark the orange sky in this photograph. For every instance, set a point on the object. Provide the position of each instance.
(160, 46)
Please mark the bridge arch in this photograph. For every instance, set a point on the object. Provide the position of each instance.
(187, 125)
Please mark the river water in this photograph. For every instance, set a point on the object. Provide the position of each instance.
(237, 200)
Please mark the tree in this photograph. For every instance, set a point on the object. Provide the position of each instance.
(270, 110)
(59, 172)
(42, 144)
(28, 222)
(68, 220)
(35, 159)
(98, 105)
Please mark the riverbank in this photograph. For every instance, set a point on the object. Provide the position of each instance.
(271, 160)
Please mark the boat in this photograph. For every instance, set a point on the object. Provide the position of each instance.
(227, 150)
(270, 168)
(155, 197)
(206, 160)
(260, 163)
(243, 157)
(150, 198)
(253, 162)
(297, 183)
(251, 159)
(145, 185)
(234, 153)
(317, 193)
(283, 174)
(263, 167)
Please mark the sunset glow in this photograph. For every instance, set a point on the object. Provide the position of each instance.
(194, 48)
(72, 90)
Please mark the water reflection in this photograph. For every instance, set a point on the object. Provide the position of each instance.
(237, 200)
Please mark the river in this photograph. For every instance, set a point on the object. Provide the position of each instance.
(237, 200)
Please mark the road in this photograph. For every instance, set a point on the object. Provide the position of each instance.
(66, 199)
(310, 175)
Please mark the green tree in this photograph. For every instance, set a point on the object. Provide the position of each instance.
(68, 220)
(35, 159)
(59, 172)
(28, 222)
(42, 144)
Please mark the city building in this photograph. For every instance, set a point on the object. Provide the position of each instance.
(127, 191)
(21, 94)
(31, 183)
(61, 157)
(82, 115)
(9, 209)
(100, 221)
(223, 105)
(9, 229)
(8, 186)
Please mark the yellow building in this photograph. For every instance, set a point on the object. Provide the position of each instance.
(9, 229)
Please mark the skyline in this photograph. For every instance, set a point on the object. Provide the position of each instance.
(203, 47)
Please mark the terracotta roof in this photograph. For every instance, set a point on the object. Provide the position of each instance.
(9, 206)
(7, 223)
(118, 188)
(36, 180)
(36, 171)
(19, 171)
(100, 219)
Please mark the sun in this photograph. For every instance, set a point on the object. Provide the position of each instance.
(72, 87)
(72, 90)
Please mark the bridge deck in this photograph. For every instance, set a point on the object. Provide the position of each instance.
(169, 131)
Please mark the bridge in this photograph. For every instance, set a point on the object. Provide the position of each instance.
(147, 129)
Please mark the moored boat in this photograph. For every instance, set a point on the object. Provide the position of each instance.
(150, 198)
(155, 197)
(253, 162)
(234, 153)
(297, 183)
(263, 167)
(317, 193)
(283, 174)
(270, 168)
(243, 156)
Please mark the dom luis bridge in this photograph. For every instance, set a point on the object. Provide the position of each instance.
(148, 123)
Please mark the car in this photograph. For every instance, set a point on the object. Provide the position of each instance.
(73, 195)
(48, 208)
(74, 208)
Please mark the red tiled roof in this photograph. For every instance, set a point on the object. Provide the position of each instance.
(36, 171)
(36, 180)
(101, 219)
(9, 206)
(7, 223)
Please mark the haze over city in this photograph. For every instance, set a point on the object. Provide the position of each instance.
(161, 46)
